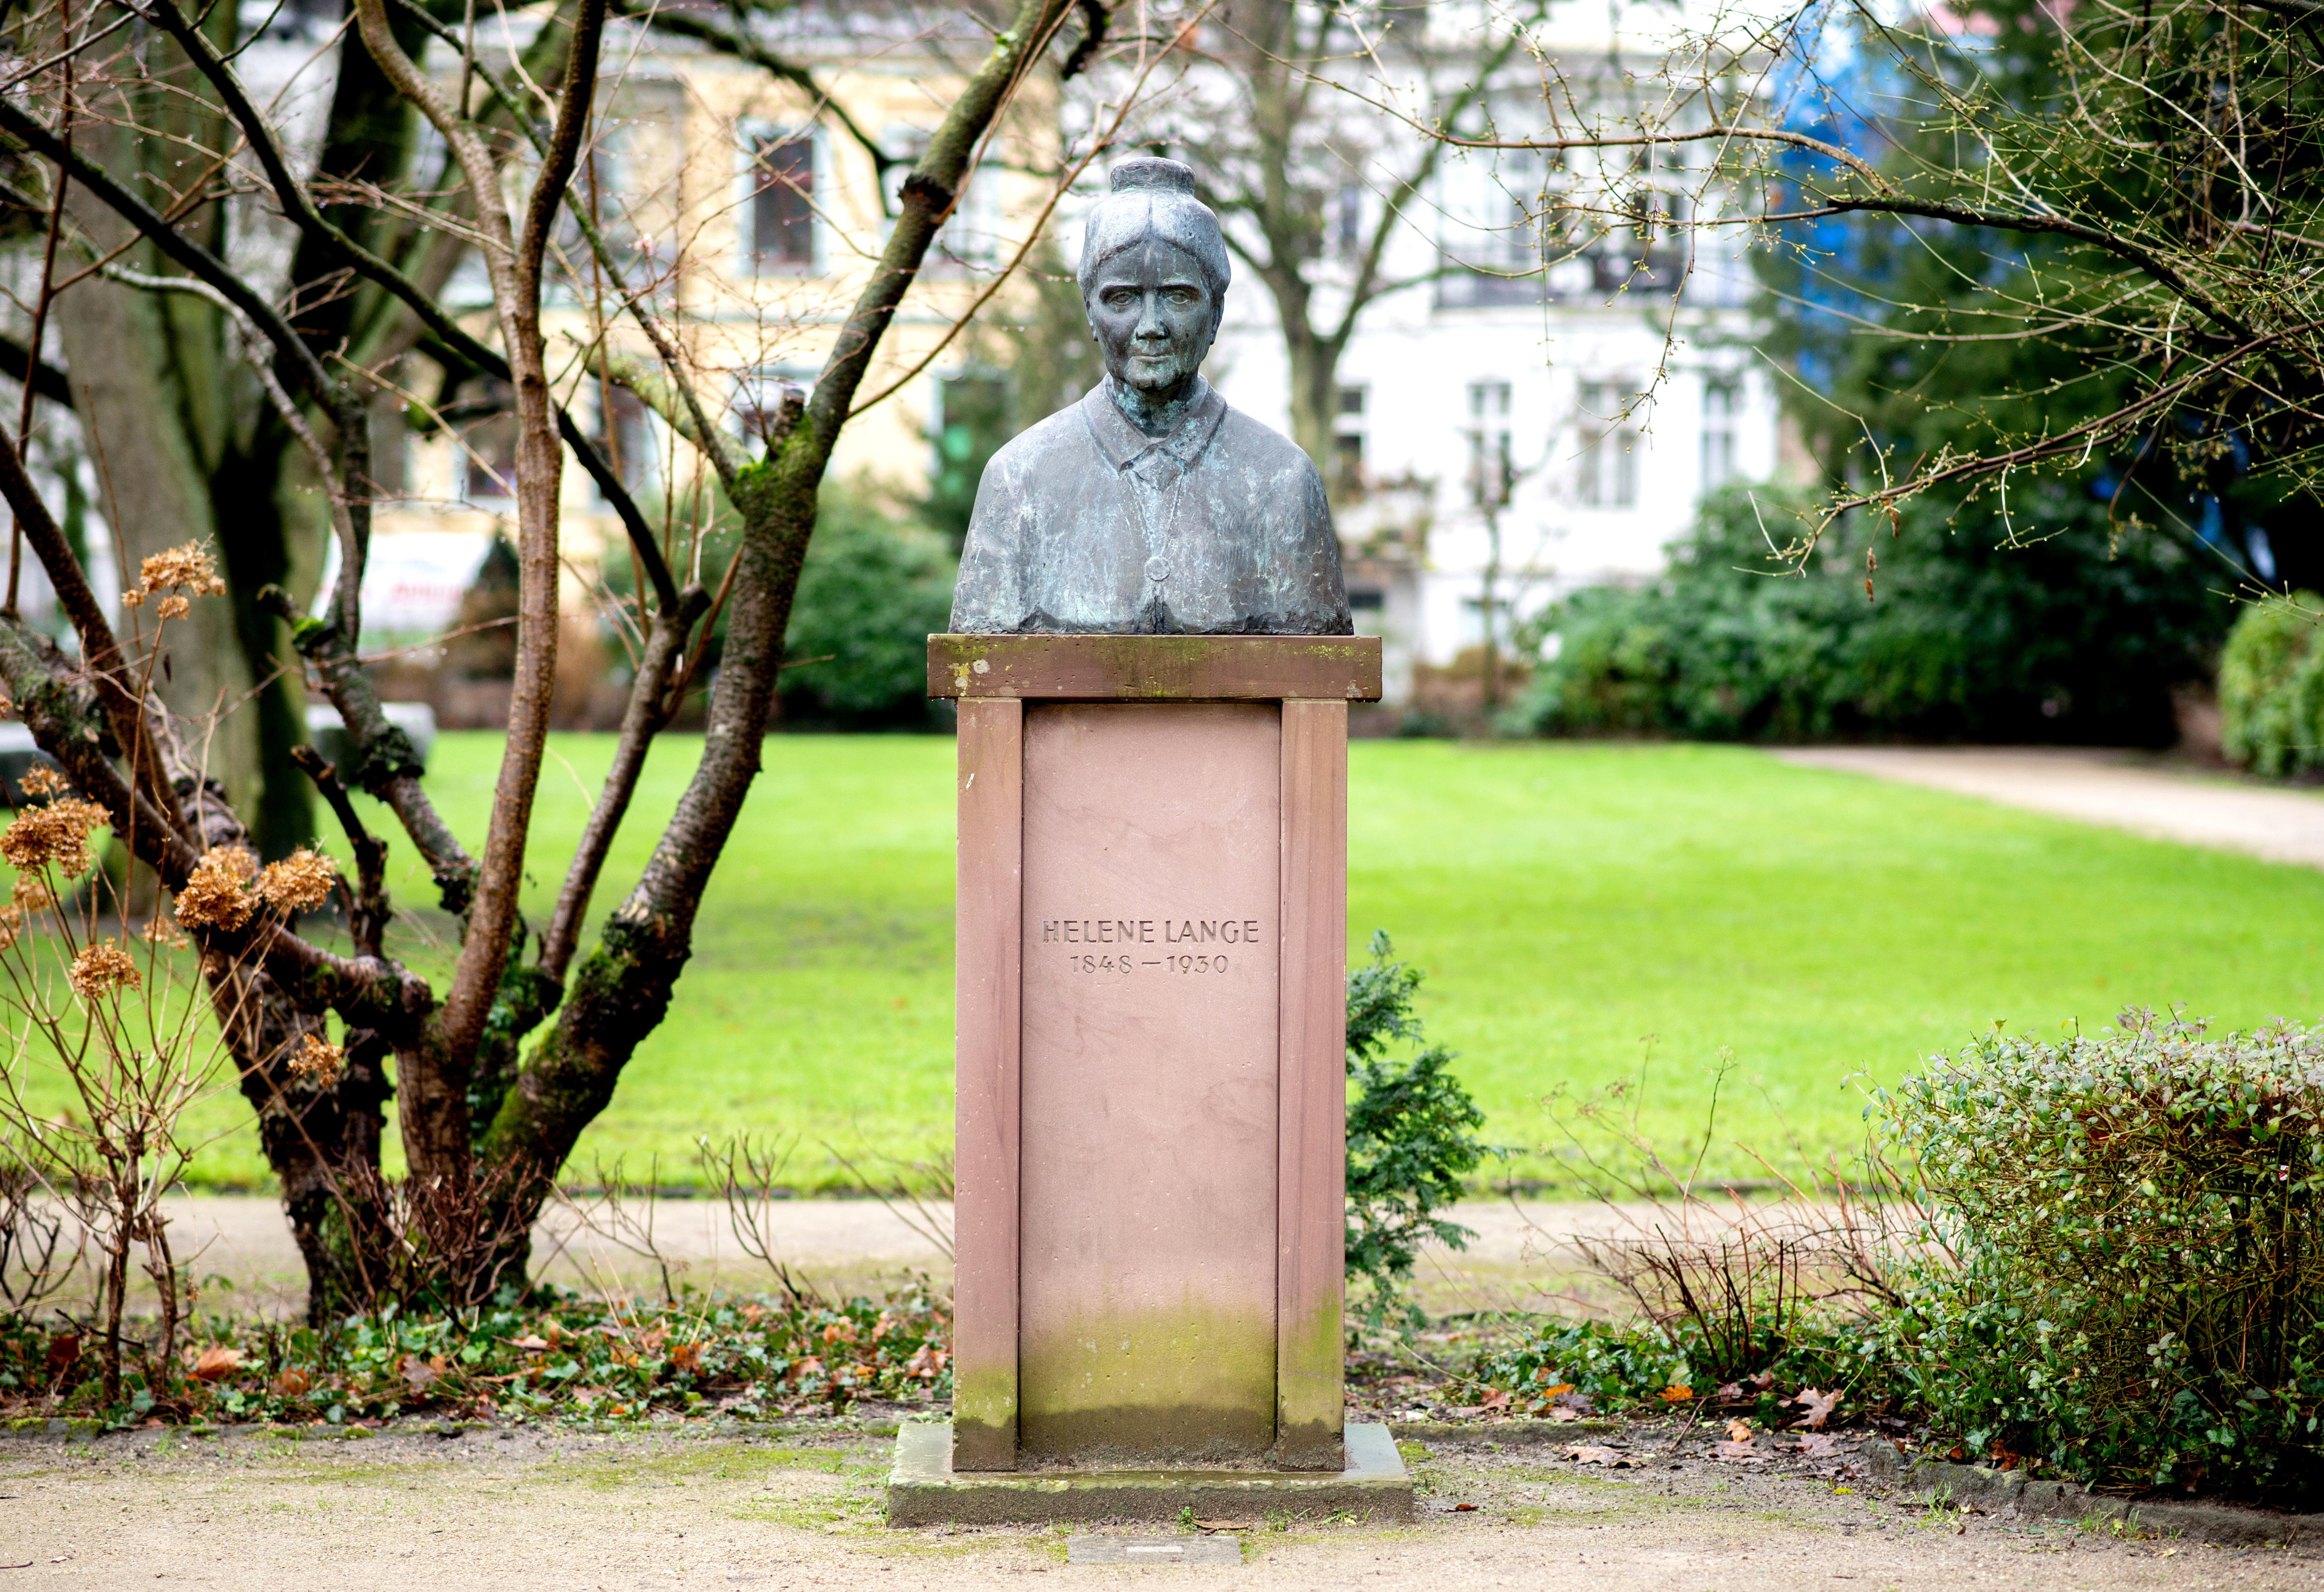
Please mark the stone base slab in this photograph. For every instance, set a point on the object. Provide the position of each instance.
(923, 1489)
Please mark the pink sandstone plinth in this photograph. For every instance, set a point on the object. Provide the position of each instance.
(1150, 976)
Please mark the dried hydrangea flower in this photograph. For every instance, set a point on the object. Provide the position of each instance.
(300, 880)
(31, 894)
(11, 924)
(174, 607)
(186, 568)
(56, 835)
(41, 779)
(213, 897)
(102, 966)
(318, 1062)
(165, 930)
(132, 598)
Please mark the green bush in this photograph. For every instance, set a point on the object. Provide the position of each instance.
(2272, 687)
(2077, 636)
(873, 589)
(1409, 1122)
(1612, 1367)
(2120, 1275)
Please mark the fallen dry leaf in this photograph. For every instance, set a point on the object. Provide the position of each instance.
(1738, 1432)
(1550, 1393)
(1677, 1392)
(686, 1357)
(1464, 1508)
(293, 1382)
(1221, 1525)
(420, 1375)
(1819, 1445)
(1498, 1399)
(531, 1342)
(217, 1361)
(1597, 1454)
(1738, 1448)
(1818, 1405)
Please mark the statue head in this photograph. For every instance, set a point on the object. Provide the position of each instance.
(1153, 276)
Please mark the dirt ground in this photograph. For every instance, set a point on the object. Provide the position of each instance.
(565, 1512)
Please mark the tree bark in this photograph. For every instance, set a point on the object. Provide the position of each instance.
(623, 987)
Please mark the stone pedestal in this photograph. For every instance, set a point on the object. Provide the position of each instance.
(1151, 990)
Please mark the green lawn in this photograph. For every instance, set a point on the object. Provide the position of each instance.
(1576, 906)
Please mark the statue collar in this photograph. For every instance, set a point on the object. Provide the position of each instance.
(1123, 443)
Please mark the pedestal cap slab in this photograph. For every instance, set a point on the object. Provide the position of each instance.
(1155, 668)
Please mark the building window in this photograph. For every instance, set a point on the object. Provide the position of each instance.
(1607, 477)
(1719, 404)
(1491, 470)
(782, 201)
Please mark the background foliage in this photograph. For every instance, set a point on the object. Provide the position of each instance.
(2272, 688)
(876, 585)
(2076, 635)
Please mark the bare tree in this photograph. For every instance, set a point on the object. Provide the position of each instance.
(483, 1131)
(1314, 184)
(2130, 193)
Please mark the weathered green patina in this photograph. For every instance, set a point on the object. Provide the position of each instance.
(984, 1420)
(1309, 1391)
(1190, 1385)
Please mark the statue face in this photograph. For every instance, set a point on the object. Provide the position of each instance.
(1153, 317)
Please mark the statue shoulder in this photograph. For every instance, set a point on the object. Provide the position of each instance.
(1042, 445)
(1264, 450)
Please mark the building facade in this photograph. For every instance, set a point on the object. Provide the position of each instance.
(1533, 414)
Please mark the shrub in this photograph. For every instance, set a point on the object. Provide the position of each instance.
(2077, 636)
(873, 589)
(2121, 1271)
(2272, 687)
(1409, 1142)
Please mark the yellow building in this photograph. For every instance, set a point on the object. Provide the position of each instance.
(756, 212)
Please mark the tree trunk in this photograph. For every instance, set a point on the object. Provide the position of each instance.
(154, 494)
(1315, 384)
(624, 988)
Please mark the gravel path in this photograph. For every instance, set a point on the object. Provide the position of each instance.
(1521, 1252)
(558, 1512)
(2122, 790)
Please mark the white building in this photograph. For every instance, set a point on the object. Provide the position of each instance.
(1575, 413)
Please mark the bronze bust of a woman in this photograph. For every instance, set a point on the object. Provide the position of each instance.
(1151, 507)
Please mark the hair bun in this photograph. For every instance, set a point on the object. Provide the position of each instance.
(1146, 172)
